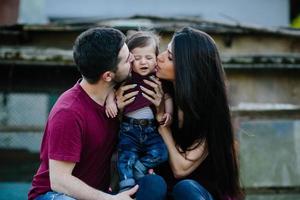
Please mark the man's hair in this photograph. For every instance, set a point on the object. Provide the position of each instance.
(96, 50)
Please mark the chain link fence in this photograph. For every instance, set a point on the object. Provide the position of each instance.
(22, 117)
(22, 120)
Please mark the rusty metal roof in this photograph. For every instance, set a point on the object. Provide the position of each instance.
(159, 24)
(60, 57)
(28, 51)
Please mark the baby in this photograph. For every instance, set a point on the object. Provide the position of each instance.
(140, 147)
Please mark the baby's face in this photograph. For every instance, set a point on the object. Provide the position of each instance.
(144, 60)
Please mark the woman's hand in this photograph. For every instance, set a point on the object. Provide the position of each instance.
(156, 97)
(123, 100)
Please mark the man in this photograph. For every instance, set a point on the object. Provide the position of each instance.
(79, 139)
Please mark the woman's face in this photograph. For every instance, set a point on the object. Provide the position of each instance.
(165, 66)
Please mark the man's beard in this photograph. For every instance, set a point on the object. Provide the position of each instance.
(129, 75)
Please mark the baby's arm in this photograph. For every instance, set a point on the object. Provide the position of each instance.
(168, 109)
(111, 109)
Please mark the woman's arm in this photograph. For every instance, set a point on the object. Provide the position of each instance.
(182, 164)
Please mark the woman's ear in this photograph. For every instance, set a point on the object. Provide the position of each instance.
(108, 76)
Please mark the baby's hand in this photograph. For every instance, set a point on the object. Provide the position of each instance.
(167, 119)
(111, 110)
(151, 171)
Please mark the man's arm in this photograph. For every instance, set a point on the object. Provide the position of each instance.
(62, 180)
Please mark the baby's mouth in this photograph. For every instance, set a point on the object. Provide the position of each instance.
(144, 68)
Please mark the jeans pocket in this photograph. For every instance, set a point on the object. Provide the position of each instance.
(152, 131)
(125, 127)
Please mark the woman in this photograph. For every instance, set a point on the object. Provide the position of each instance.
(200, 141)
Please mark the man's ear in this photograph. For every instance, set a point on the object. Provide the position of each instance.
(108, 76)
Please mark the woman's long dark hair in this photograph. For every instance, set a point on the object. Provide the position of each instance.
(200, 93)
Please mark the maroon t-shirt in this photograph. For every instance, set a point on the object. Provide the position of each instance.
(77, 131)
(140, 101)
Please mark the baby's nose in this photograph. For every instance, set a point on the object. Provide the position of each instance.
(143, 60)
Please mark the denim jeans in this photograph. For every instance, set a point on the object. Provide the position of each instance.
(151, 187)
(140, 148)
(190, 190)
(54, 196)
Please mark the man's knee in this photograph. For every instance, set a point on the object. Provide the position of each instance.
(152, 187)
(155, 181)
(54, 196)
(63, 197)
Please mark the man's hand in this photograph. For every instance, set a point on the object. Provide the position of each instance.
(127, 194)
(124, 100)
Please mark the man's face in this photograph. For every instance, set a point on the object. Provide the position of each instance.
(124, 66)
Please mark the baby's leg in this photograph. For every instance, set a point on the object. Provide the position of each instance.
(155, 153)
(126, 161)
(127, 156)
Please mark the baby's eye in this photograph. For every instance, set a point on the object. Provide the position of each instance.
(137, 57)
(149, 57)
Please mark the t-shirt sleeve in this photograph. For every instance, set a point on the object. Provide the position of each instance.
(65, 138)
